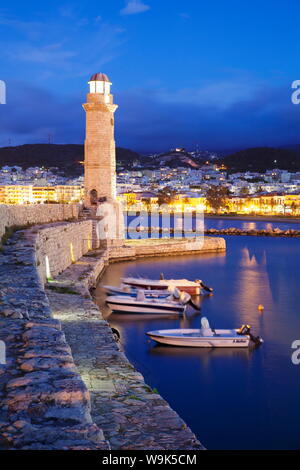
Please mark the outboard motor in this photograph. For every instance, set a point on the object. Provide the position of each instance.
(204, 286)
(245, 331)
(184, 298)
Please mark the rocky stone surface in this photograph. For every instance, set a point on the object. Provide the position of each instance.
(16, 215)
(58, 245)
(44, 404)
(276, 232)
(131, 415)
(154, 247)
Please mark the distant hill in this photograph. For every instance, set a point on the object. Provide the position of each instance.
(294, 147)
(261, 159)
(66, 157)
(177, 158)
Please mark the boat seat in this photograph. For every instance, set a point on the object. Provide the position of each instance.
(140, 296)
(207, 332)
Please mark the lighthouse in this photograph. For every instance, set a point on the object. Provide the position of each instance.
(100, 163)
(99, 147)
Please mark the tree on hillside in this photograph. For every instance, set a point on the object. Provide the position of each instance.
(244, 191)
(146, 203)
(261, 159)
(294, 208)
(166, 195)
(216, 197)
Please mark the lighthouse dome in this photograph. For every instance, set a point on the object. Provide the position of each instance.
(99, 77)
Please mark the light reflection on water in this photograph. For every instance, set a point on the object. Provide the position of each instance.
(232, 399)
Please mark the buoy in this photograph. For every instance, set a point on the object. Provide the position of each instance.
(260, 307)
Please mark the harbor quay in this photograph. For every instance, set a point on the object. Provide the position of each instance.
(66, 383)
(149, 231)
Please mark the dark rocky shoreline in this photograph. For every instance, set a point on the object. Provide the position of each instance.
(276, 232)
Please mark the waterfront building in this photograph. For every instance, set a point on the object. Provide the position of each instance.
(266, 203)
(15, 194)
(29, 194)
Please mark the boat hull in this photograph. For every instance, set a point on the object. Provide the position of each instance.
(192, 290)
(193, 339)
(161, 294)
(144, 307)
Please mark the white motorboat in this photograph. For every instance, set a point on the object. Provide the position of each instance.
(191, 287)
(129, 291)
(205, 337)
(140, 304)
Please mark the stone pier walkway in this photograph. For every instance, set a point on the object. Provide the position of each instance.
(44, 404)
(123, 406)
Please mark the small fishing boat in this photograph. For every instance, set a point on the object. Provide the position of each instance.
(141, 304)
(206, 337)
(191, 287)
(129, 291)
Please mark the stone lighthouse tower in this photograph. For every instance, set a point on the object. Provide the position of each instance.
(99, 148)
(100, 157)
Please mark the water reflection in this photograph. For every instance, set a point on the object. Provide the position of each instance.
(219, 223)
(135, 317)
(205, 355)
(252, 260)
(231, 398)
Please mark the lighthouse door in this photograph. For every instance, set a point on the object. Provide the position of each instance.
(93, 197)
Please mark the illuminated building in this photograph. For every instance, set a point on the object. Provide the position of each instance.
(265, 204)
(17, 194)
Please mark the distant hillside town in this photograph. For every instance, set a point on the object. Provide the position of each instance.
(261, 180)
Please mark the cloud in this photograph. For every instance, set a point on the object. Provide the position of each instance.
(220, 94)
(31, 29)
(155, 119)
(133, 7)
(49, 54)
(32, 113)
(185, 16)
(60, 44)
(146, 121)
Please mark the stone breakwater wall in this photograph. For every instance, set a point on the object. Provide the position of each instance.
(59, 245)
(276, 232)
(66, 383)
(143, 248)
(17, 215)
(44, 404)
(131, 414)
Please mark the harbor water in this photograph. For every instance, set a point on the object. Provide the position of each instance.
(231, 398)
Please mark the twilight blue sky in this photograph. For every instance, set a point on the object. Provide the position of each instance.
(217, 74)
